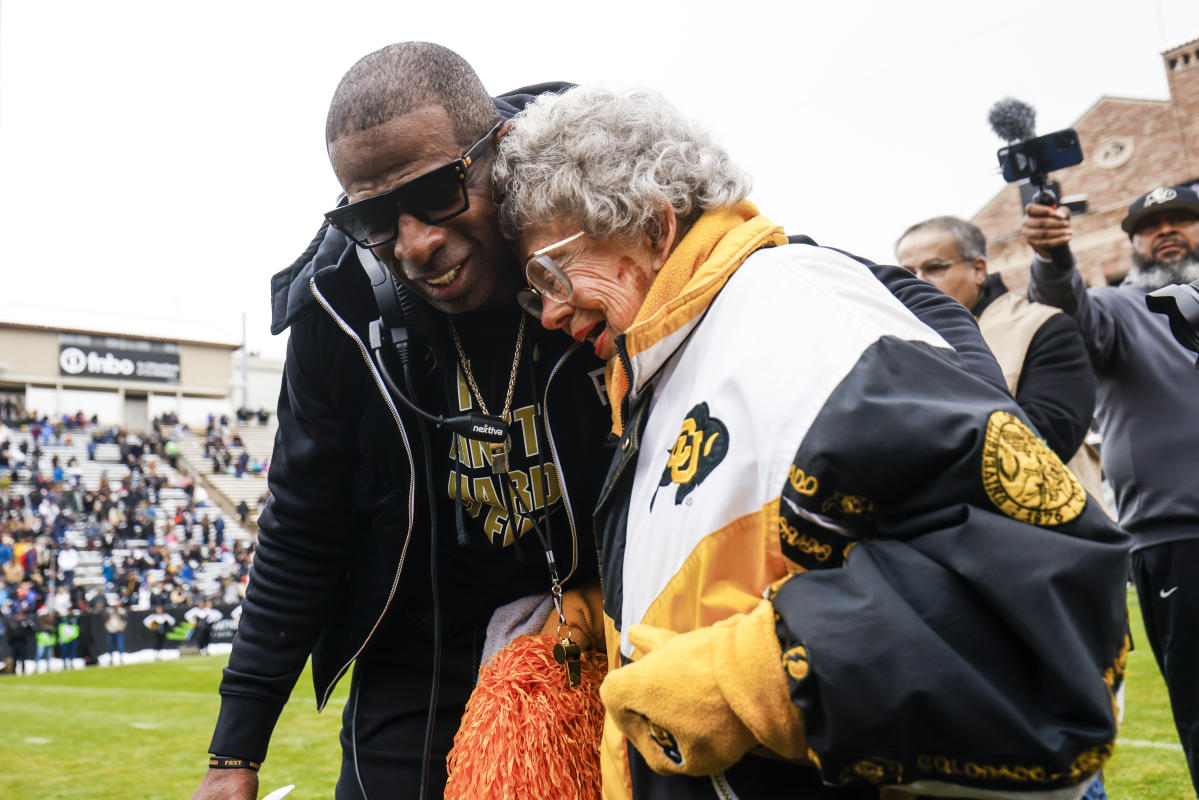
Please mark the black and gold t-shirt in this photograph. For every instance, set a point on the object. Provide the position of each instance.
(502, 557)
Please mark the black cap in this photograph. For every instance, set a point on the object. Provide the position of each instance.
(1163, 198)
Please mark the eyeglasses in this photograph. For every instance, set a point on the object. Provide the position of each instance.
(544, 274)
(432, 198)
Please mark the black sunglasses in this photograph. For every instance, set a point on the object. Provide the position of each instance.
(432, 198)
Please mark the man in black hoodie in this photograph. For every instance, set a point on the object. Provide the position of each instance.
(389, 540)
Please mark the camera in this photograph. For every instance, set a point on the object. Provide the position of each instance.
(1180, 304)
(1033, 159)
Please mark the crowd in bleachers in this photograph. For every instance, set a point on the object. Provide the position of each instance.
(95, 518)
(227, 452)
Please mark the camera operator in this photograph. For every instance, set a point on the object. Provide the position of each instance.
(1148, 391)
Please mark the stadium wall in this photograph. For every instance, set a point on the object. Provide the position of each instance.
(120, 378)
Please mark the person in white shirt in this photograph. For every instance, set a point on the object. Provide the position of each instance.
(68, 561)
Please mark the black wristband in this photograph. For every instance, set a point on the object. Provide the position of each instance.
(227, 762)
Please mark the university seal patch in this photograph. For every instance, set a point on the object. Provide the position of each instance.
(1024, 478)
(701, 445)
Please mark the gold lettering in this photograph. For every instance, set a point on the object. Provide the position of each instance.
(461, 485)
(495, 525)
(460, 450)
(803, 542)
(1016, 773)
(526, 417)
(526, 525)
(520, 481)
(804, 484)
(553, 486)
(484, 492)
(480, 453)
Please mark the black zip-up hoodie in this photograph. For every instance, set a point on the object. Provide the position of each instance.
(344, 538)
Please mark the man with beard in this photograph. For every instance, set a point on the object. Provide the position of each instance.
(1148, 390)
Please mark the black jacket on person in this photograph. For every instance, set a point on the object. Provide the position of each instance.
(334, 542)
(1057, 384)
(344, 538)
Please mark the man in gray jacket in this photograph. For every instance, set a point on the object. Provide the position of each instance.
(1148, 394)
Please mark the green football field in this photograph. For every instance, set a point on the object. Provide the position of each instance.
(142, 731)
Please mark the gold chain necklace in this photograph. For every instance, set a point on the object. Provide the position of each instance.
(499, 450)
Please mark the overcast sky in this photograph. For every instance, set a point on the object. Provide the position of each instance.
(159, 161)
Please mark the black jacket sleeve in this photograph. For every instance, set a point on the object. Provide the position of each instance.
(971, 629)
(1057, 385)
(300, 557)
(947, 317)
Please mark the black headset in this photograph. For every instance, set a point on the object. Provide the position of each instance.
(401, 321)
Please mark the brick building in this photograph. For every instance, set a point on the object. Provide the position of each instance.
(1130, 146)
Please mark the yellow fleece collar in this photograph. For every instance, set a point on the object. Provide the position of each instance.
(692, 276)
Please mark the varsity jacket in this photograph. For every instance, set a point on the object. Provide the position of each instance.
(1045, 365)
(345, 535)
(789, 429)
(1145, 404)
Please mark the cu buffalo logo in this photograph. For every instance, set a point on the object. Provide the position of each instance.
(664, 739)
(701, 445)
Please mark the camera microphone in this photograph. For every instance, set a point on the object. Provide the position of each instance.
(1013, 120)
(1032, 157)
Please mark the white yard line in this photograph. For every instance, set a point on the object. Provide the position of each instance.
(1145, 743)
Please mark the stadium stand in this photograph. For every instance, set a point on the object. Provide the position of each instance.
(93, 518)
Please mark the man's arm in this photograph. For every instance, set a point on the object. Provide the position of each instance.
(300, 557)
(1057, 385)
(1044, 228)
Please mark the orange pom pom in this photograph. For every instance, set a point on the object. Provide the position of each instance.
(526, 733)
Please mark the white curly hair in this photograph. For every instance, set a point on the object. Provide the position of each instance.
(610, 161)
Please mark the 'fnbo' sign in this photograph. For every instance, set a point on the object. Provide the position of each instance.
(87, 362)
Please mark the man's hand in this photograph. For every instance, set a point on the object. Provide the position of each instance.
(1045, 227)
(228, 784)
(697, 702)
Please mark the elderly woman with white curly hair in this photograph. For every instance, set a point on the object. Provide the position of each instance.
(833, 560)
